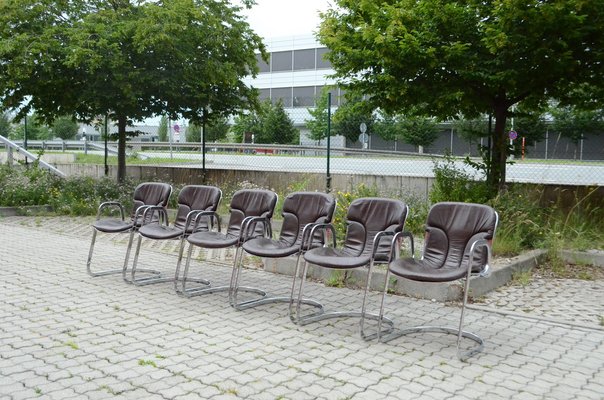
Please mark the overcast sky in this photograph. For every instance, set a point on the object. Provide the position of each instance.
(274, 18)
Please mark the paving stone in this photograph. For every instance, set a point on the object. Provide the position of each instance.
(202, 348)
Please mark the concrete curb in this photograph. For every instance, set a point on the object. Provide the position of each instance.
(24, 211)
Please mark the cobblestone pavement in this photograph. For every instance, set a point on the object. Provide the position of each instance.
(64, 334)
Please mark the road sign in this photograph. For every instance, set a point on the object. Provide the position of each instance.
(176, 128)
(363, 127)
(513, 135)
(363, 138)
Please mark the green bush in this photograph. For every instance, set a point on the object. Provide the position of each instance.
(26, 186)
(452, 183)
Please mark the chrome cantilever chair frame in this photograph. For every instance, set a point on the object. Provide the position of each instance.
(183, 290)
(192, 221)
(484, 271)
(264, 297)
(247, 224)
(123, 226)
(249, 207)
(295, 312)
(303, 207)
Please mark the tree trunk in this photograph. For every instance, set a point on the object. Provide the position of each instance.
(121, 148)
(496, 178)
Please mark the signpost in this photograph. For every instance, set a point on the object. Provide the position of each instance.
(363, 137)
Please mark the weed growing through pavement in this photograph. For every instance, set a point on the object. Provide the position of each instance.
(147, 362)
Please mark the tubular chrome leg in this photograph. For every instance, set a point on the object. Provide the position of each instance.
(193, 291)
(459, 332)
(321, 315)
(89, 261)
(380, 317)
(264, 297)
(127, 258)
(178, 263)
(134, 262)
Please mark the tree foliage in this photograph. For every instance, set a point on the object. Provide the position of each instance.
(574, 123)
(65, 128)
(162, 129)
(36, 129)
(5, 124)
(349, 116)
(215, 130)
(418, 131)
(317, 126)
(448, 57)
(126, 59)
(269, 124)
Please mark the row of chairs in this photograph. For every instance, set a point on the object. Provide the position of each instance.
(457, 244)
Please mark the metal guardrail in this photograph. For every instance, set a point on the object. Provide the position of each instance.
(250, 148)
(12, 146)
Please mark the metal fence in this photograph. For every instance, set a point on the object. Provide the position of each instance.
(340, 160)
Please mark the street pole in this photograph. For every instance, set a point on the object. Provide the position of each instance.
(328, 180)
(203, 145)
(106, 151)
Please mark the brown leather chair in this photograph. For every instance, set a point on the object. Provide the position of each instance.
(301, 210)
(372, 222)
(197, 205)
(145, 195)
(251, 212)
(457, 244)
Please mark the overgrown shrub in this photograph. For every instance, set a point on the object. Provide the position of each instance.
(26, 186)
(454, 183)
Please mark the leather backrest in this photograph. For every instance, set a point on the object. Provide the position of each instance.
(368, 216)
(151, 194)
(450, 230)
(250, 203)
(196, 198)
(302, 208)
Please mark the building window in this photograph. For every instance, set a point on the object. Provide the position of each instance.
(281, 61)
(283, 94)
(335, 97)
(304, 59)
(263, 66)
(264, 94)
(304, 96)
(321, 61)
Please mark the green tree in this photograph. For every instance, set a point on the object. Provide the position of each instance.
(386, 127)
(36, 129)
(5, 125)
(574, 123)
(269, 123)
(217, 129)
(193, 133)
(65, 128)
(278, 127)
(127, 59)
(449, 57)
(348, 118)
(418, 131)
(162, 129)
(317, 126)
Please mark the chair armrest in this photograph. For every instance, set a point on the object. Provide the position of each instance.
(149, 212)
(193, 218)
(397, 242)
(310, 230)
(248, 226)
(109, 204)
(378, 239)
(477, 244)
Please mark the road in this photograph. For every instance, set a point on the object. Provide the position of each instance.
(554, 173)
